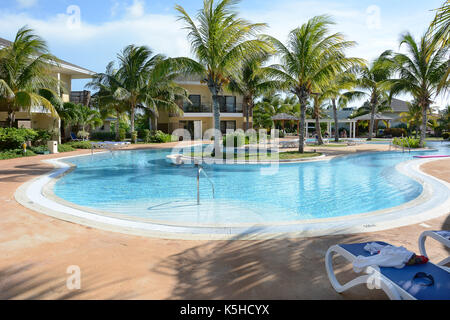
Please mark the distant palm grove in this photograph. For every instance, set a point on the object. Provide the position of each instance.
(312, 72)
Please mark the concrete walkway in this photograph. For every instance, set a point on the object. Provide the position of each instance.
(36, 251)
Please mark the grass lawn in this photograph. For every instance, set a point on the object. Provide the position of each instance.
(264, 157)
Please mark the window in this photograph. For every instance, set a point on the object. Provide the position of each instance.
(196, 103)
(227, 125)
(227, 103)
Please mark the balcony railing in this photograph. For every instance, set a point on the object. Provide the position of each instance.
(208, 108)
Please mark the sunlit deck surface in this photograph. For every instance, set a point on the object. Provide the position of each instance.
(37, 249)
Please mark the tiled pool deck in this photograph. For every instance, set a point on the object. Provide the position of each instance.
(37, 249)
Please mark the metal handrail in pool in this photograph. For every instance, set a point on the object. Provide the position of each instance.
(199, 170)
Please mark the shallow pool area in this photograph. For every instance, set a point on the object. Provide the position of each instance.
(143, 184)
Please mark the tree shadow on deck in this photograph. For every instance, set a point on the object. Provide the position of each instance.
(261, 269)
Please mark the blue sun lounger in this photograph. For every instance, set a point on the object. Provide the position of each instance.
(440, 236)
(418, 282)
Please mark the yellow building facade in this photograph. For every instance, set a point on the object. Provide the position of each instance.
(198, 116)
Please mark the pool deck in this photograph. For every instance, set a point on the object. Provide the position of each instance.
(37, 250)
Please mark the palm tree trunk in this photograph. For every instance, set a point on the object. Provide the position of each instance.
(116, 127)
(318, 128)
(336, 125)
(132, 113)
(423, 129)
(372, 120)
(216, 109)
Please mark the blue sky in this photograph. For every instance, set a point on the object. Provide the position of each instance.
(107, 26)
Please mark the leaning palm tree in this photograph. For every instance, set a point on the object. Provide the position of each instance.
(220, 41)
(420, 72)
(25, 75)
(251, 81)
(371, 80)
(310, 59)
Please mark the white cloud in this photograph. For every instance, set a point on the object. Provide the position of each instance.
(136, 10)
(26, 3)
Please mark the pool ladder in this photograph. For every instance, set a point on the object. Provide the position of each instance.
(200, 170)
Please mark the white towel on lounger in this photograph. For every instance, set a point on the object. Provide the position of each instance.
(388, 256)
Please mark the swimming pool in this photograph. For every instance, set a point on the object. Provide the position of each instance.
(143, 184)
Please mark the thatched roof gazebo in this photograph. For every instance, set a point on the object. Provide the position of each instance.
(283, 117)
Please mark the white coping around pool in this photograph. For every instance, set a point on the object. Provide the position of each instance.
(432, 203)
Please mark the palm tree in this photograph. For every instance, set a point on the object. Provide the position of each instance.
(310, 59)
(108, 85)
(372, 80)
(420, 72)
(25, 75)
(68, 112)
(220, 41)
(252, 81)
(87, 117)
(440, 27)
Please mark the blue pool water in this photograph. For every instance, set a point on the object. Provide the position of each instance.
(143, 184)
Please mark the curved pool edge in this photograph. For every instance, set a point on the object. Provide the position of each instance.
(432, 203)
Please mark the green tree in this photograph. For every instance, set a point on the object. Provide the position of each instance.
(87, 117)
(310, 59)
(220, 41)
(420, 72)
(25, 75)
(372, 81)
(251, 82)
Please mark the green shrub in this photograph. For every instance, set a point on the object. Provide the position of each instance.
(16, 153)
(122, 134)
(103, 136)
(446, 135)
(13, 138)
(407, 142)
(161, 137)
(40, 149)
(42, 137)
(238, 139)
(146, 135)
(65, 148)
(83, 135)
(80, 144)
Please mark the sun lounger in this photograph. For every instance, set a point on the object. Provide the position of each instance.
(289, 143)
(440, 236)
(110, 145)
(73, 137)
(396, 283)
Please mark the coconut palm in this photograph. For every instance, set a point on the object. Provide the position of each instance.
(310, 59)
(87, 117)
(108, 84)
(420, 72)
(440, 27)
(25, 75)
(371, 80)
(251, 81)
(220, 40)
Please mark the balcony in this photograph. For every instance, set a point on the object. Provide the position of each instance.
(208, 109)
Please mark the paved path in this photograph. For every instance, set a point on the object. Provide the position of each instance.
(36, 250)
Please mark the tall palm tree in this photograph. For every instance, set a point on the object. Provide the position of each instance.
(310, 59)
(252, 81)
(108, 85)
(420, 72)
(25, 75)
(220, 40)
(372, 81)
